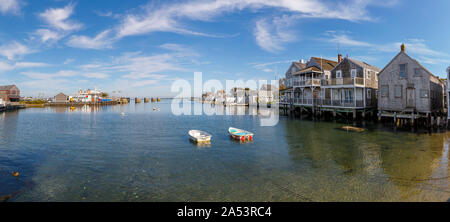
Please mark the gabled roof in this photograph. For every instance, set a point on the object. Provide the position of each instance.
(268, 87)
(300, 65)
(8, 87)
(325, 63)
(364, 65)
(61, 94)
(306, 70)
(420, 65)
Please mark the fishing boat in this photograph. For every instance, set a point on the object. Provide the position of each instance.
(240, 134)
(200, 136)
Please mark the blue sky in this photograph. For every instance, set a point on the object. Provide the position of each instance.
(140, 47)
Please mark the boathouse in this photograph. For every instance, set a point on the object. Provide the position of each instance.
(351, 87)
(9, 94)
(407, 90)
(61, 98)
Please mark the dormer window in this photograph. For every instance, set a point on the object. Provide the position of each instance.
(353, 73)
(339, 74)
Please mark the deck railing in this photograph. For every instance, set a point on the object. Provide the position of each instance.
(307, 82)
(343, 81)
(329, 102)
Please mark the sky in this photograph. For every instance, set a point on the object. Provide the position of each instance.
(141, 47)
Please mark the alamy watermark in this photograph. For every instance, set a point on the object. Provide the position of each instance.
(259, 95)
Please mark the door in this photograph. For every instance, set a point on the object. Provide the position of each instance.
(410, 97)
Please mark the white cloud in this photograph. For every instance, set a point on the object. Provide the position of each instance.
(95, 75)
(8, 66)
(58, 18)
(68, 61)
(49, 35)
(143, 83)
(170, 17)
(30, 64)
(271, 36)
(344, 40)
(10, 6)
(101, 41)
(14, 49)
(47, 76)
(416, 47)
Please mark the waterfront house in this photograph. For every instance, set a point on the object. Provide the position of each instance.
(267, 94)
(288, 91)
(351, 86)
(9, 94)
(409, 89)
(61, 98)
(220, 97)
(307, 81)
(241, 95)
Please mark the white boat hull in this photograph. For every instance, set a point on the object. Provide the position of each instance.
(200, 136)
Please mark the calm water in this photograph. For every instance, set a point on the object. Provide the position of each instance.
(95, 154)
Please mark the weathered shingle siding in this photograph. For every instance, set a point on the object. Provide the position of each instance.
(346, 66)
(390, 76)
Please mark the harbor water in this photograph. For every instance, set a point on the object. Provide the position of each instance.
(133, 152)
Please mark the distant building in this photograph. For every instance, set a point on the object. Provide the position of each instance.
(87, 96)
(61, 98)
(267, 94)
(9, 94)
(406, 87)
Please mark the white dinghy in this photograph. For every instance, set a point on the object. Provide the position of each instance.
(200, 136)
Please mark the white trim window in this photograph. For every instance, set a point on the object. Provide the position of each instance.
(369, 93)
(338, 74)
(368, 74)
(353, 73)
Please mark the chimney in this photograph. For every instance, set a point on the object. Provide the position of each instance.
(402, 47)
(339, 57)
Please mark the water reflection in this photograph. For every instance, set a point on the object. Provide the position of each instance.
(408, 166)
(146, 156)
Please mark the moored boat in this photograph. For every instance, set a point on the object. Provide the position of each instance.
(200, 136)
(240, 134)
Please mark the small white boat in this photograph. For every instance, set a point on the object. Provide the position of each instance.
(240, 134)
(200, 136)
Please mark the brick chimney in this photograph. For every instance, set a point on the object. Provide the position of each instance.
(402, 47)
(339, 57)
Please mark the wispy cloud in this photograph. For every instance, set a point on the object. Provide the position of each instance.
(14, 49)
(47, 35)
(271, 36)
(101, 41)
(10, 7)
(58, 18)
(58, 24)
(46, 76)
(414, 46)
(8, 66)
(270, 33)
